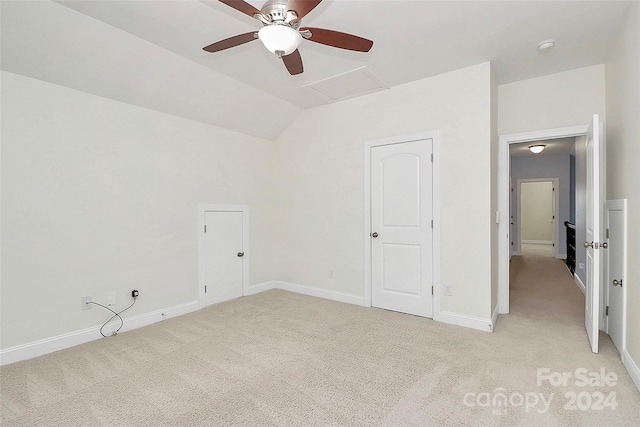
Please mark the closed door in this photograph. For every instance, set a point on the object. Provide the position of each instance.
(401, 227)
(223, 256)
(615, 224)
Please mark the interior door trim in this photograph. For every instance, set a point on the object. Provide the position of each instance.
(207, 207)
(368, 146)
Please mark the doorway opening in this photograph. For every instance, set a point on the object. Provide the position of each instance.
(536, 231)
(592, 135)
(510, 145)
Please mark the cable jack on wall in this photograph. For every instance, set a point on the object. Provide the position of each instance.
(134, 295)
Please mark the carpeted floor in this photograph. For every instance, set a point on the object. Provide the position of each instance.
(279, 358)
(535, 249)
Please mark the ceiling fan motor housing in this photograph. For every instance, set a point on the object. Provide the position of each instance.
(276, 11)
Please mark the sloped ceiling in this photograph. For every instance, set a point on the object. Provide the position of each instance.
(149, 53)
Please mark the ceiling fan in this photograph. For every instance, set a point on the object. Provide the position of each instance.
(281, 33)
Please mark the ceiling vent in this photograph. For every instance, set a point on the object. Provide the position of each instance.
(358, 82)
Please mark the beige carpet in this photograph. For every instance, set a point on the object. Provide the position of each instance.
(534, 249)
(279, 358)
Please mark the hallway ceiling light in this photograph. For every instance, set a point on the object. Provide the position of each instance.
(537, 149)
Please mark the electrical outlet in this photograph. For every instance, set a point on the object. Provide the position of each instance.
(581, 266)
(448, 290)
(111, 298)
(83, 303)
(135, 293)
(330, 274)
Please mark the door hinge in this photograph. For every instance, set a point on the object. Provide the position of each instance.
(606, 311)
(607, 233)
(205, 228)
(205, 289)
(432, 290)
(431, 223)
(431, 157)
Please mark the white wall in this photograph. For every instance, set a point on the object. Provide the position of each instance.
(557, 100)
(319, 177)
(101, 196)
(536, 210)
(623, 157)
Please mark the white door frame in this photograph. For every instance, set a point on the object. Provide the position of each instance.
(555, 229)
(204, 207)
(503, 198)
(368, 145)
(617, 205)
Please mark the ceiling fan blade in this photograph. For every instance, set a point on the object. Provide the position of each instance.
(339, 40)
(242, 6)
(302, 7)
(293, 62)
(230, 42)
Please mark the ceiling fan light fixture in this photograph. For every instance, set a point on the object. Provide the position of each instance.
(280, 39)
(537, 149)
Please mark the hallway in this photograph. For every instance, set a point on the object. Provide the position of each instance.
(542, 287)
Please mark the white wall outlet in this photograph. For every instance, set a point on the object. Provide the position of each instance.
(448, 290)
(330, 274)
(581, 266)
(83, 303)
(111, 298)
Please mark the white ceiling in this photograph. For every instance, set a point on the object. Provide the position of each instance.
(552, 147)
(149, 53)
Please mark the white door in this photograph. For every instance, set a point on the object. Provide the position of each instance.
(592, 244)
(401, 221)
(223, 256)
(614, 283)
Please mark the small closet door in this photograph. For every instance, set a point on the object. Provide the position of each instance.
(223, 256)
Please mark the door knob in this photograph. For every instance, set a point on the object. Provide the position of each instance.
(617, 282)
(604, 245)
(240, 254)
(588, 244)
(374, 234)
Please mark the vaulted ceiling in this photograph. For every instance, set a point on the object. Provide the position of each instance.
(149, 53)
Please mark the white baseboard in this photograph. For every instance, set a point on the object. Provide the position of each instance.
(538, 242)
(60, 342)
(632, 367)
(581, 285)
(444, 316)
(464, 320)
(494, 317)
(307, 290)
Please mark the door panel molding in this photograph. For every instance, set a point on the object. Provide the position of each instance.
(619, 205)
(207, 207)
(368, 146)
